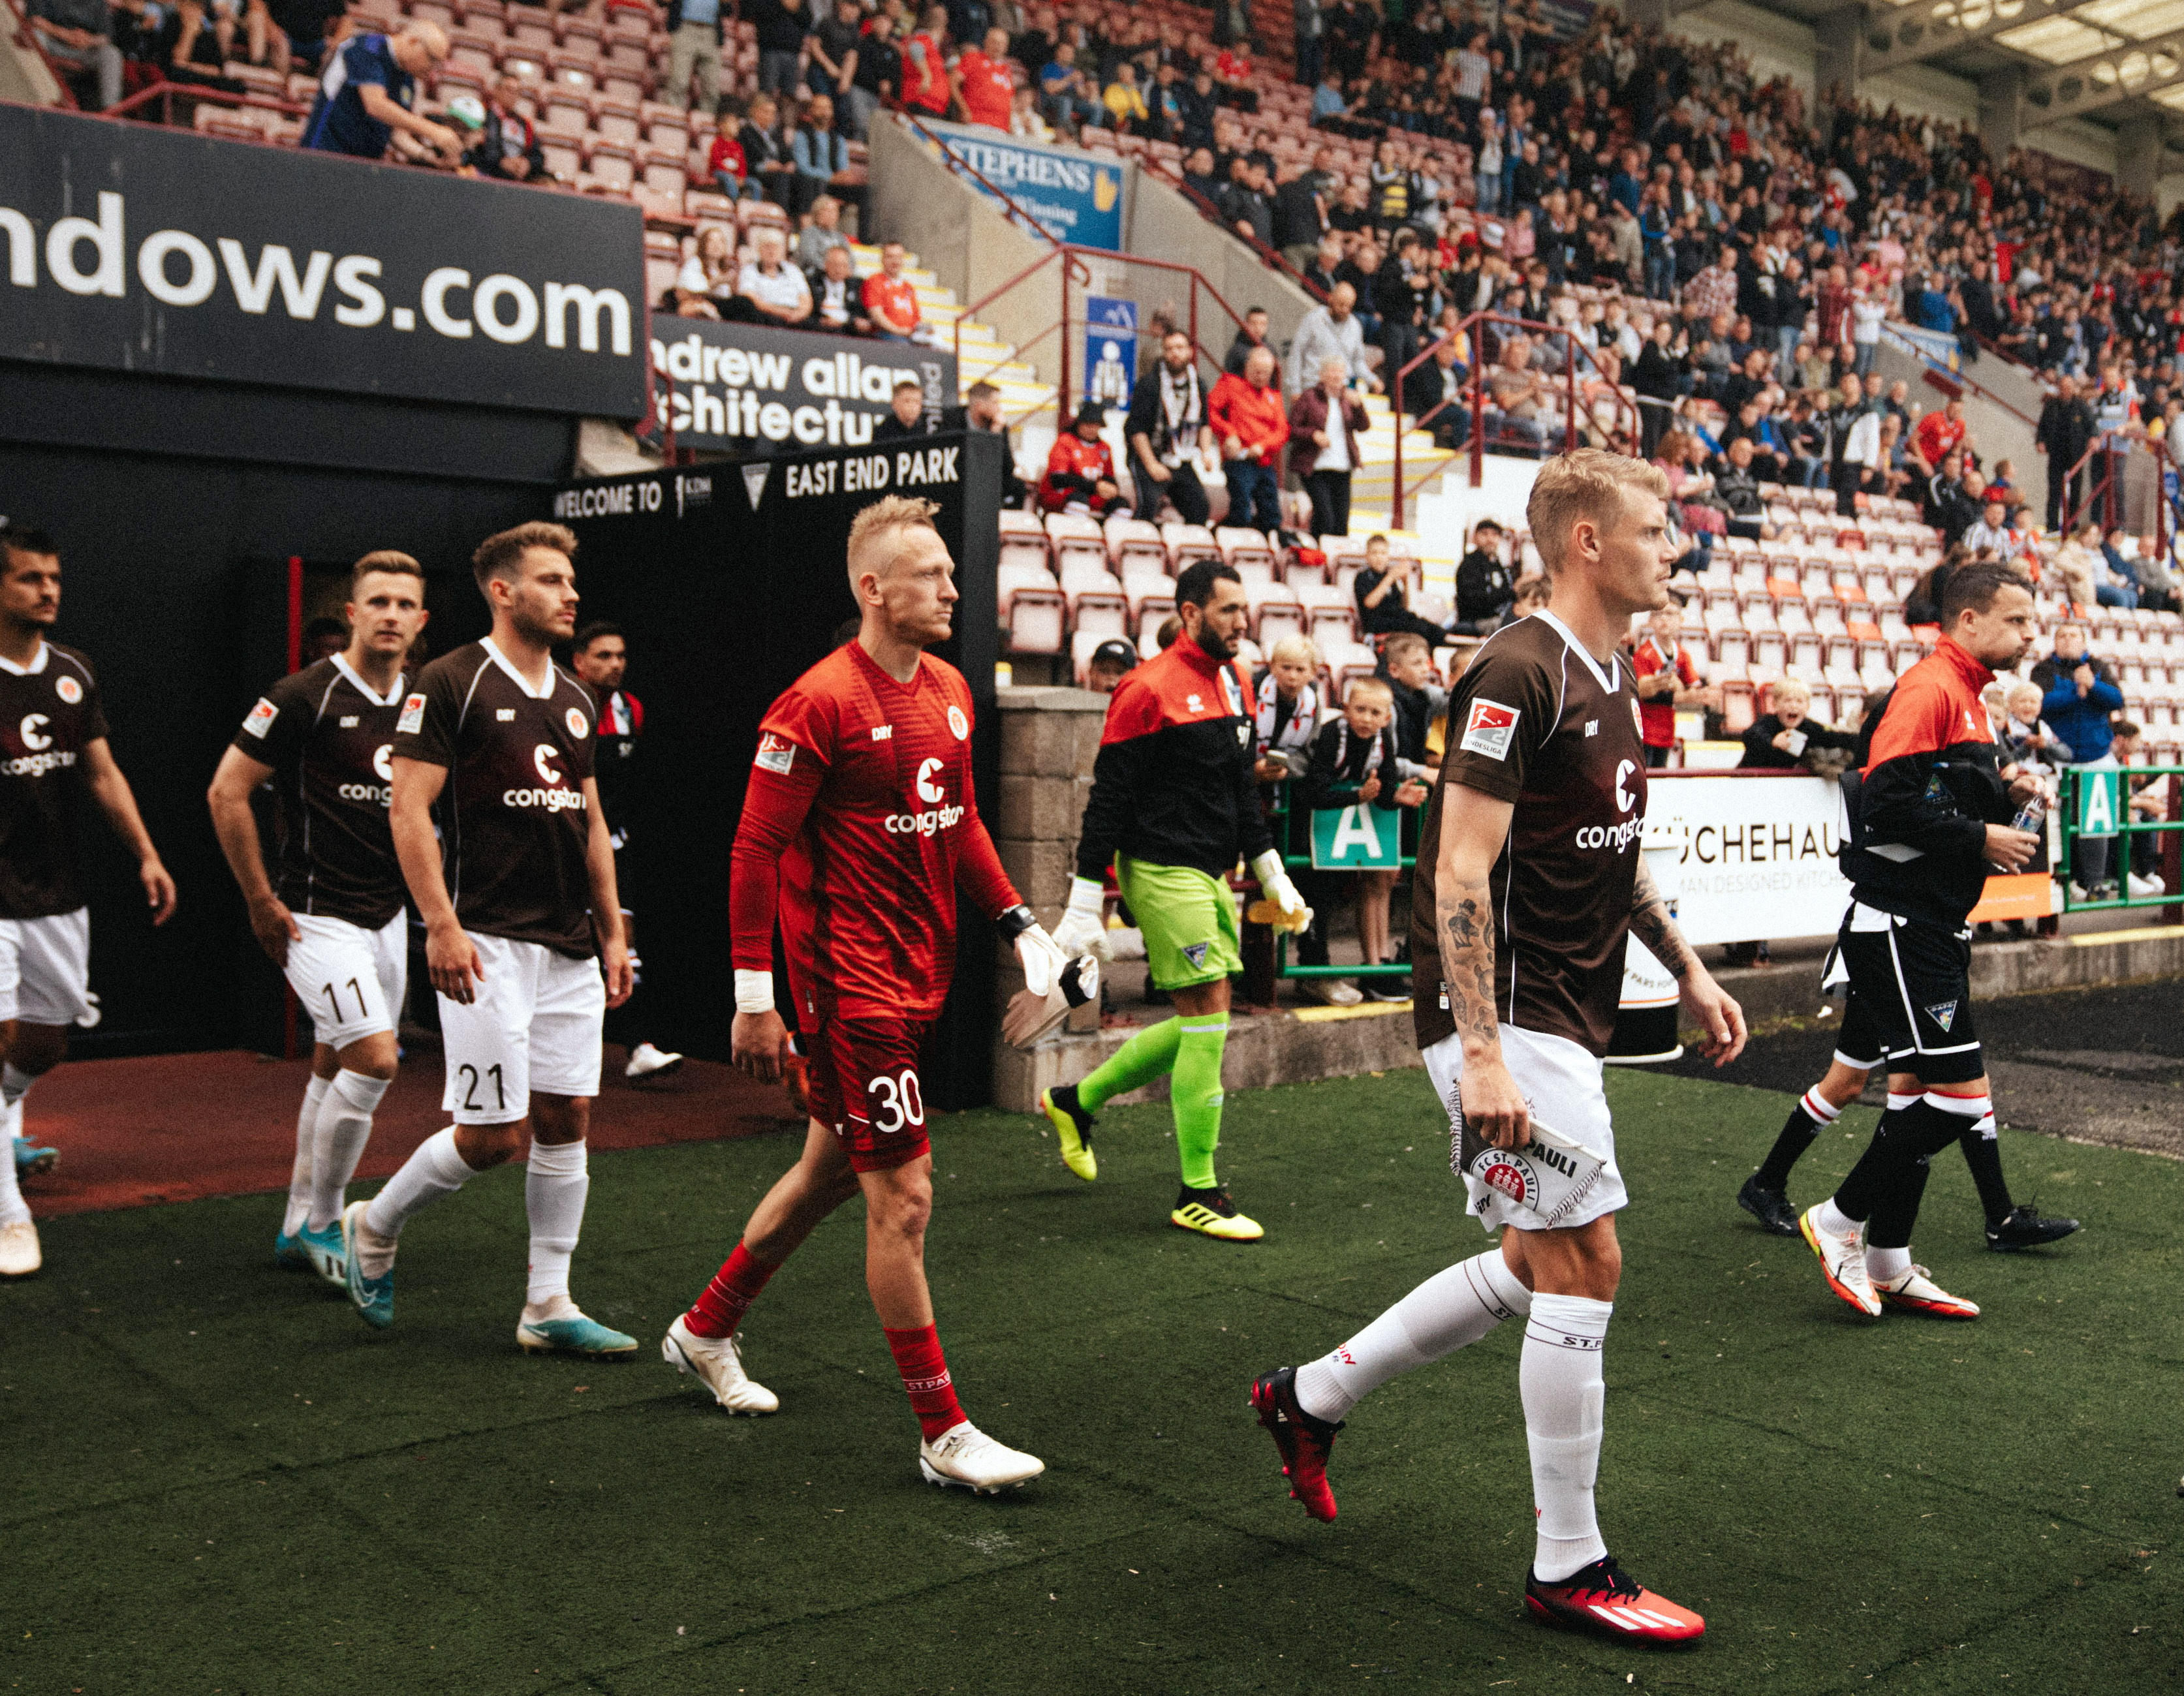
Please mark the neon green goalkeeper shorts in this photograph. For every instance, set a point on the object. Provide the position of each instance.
(1188, 918)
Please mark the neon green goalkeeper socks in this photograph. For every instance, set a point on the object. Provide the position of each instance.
(1137, 1063)
(1196, 1095)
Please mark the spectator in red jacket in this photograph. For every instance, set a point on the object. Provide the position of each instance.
(890, 297)
(983, 83)
(925, 87)
(1080, 470)
(1251, 423)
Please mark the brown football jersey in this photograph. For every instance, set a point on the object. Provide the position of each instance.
(328, 739)
(1538, 722)
(513, 823)
(49, 713)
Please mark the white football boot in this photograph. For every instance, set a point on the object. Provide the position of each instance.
(717, 1363)
(20, 1254)
(1842, 1259)
(646, 1061)
(964, 1455)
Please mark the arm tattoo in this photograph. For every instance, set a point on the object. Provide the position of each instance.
(1467, 954)
(1650, 924)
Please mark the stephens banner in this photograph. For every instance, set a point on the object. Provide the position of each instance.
(1076, 195)
(136, 248)
(768, 391)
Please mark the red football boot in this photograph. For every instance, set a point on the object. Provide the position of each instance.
(1305, 1442)
(1603, 1597)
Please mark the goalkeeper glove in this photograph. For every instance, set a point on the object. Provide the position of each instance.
(1274, 879)
(1084, 926)
(1036, 952)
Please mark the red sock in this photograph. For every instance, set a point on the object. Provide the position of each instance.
(727, 1299)
(924, 1371)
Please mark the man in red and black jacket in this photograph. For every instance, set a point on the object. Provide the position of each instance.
(1929, 818)
(1174, 805)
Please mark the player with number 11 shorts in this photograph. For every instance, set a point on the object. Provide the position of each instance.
(859, 824)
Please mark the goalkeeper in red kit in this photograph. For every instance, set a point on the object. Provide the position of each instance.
(858, 826)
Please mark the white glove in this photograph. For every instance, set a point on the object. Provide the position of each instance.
(1274, 878)
(1041, 960)
(1084, 926)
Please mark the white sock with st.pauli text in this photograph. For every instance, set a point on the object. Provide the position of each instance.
(1564, 1394)
(1452, 1309)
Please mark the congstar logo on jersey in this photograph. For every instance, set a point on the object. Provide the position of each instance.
(1616, 837)
(379, 793)
(936, 818)
(38, 765)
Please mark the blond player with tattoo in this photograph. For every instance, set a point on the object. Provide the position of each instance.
(1530, 880)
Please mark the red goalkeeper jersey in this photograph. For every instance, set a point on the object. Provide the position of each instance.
(857, 826)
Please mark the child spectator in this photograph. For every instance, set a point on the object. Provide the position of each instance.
(1789, 736)
(724, 160)
(1383, 588)
(2025, 733)
(1784, 739)
(1666, 679)
(1353, 762)
(1109, 661)
(1416, 693)
(1287, 708)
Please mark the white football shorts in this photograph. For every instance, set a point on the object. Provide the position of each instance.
(45, 968)
(535, 1024)
(1563, 1085)
(351, 981)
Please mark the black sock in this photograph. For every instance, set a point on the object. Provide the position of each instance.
(1896, 1210)
(1798, 1131)
(1907, 1135)
(1983, 1154)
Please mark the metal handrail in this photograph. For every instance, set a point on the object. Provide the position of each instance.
(961, 167)
(1945, 381)
(2103, 492)
(1268, 256)
(1394, 389)
(164, 91)
(1075, 270)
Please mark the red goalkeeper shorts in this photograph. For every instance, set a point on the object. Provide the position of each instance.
(864, 1085)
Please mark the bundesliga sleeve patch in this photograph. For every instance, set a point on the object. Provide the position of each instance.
(413, 716)
(775, 754)
(261, 718)
(1490, 728)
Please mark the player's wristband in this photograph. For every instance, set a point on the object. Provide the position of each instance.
(1014, 922)
(754, 991)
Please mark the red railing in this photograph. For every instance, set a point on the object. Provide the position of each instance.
(2105, 490)
(1953, 384)
(165, 93)
(1068, 256)
(1623, 405)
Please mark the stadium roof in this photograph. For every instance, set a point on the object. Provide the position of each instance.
(2118, 59)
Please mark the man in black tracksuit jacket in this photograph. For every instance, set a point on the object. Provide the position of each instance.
(1930, 816)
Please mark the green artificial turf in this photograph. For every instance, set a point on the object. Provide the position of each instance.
(222, 1481)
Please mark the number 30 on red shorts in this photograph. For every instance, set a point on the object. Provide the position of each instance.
(864, 1084)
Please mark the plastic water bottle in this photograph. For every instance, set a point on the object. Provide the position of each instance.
(2031, 816)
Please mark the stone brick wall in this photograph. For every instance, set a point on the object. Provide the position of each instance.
(1050, 737)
